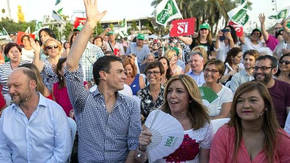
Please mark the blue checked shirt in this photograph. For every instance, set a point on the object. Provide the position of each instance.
(89, 57)
(103, 136)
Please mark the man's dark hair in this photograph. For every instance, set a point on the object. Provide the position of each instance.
(274, 62)
(103, 64)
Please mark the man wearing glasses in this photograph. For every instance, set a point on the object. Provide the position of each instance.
(266, 67)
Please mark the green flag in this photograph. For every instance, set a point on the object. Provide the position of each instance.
(239, 14)
(57, 2)
(208, 94)
(166, 11)
(281, 15)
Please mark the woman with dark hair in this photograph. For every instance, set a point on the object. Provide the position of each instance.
(27, 51)
(152, 95)
(203, 39)
(134, 80)
(232, 64)
(66, 49)
(44, 34)
(13, 52)
(40, 85)
(59, 90)
(182, 100)
(225, 40)
(284, 68)
(167, 70)
(220, 103)
(253, 133)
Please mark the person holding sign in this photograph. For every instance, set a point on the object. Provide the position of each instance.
(203, 39)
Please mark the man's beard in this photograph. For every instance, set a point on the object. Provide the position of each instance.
(21, 99)
(266, 80)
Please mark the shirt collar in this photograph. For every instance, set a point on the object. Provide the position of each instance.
(41, 103)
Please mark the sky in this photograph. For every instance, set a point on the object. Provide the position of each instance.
(129, 9)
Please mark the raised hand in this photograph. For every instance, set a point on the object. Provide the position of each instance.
(92, 12)
(262, 18)
(35, 45)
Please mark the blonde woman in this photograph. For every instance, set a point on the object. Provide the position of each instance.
(172, 57)
(52, 48)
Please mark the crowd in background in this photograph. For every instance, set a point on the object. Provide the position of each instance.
(208, 69)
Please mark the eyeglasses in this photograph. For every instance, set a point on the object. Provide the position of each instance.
(209, 70)
(152, 72)
(263, 68)
(284, 61)
(50, 47)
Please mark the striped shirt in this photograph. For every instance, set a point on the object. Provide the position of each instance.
(103, 136)
(5, 71)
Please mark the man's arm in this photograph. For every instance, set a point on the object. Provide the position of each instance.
(79, 45)
(5, 151)
(62, 136)
(131, 157)
(134, 131)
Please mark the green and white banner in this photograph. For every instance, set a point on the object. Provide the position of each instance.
(239, 14)
(166, 11)
(281, 14)
(57, 11)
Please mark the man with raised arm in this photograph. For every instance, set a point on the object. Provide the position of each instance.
(108, 122)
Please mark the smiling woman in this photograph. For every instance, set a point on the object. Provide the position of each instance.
(13, 52)
(253, 133)
(183, 102)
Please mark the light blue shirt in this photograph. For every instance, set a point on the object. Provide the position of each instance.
(44, 138)
(198, 78)
(141, 54)
(240, 78)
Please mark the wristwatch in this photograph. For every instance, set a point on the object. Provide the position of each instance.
(139, 155)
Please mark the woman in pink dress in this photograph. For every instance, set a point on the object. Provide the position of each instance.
(183, 102)
(253, 134)
(59, 90)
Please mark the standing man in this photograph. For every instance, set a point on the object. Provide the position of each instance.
(33, 129)
(112, 45)
(139, 49)
(196, 62)
(266, 67)
(108, 122)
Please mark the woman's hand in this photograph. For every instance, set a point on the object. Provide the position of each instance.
(144, 138)
(35, 46)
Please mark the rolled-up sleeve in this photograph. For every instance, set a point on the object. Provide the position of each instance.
(75, 87)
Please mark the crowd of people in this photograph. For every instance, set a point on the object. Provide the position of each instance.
(86, 99)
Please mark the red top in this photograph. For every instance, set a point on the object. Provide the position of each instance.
(61, 97)
(223, 145)
(2, 100)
